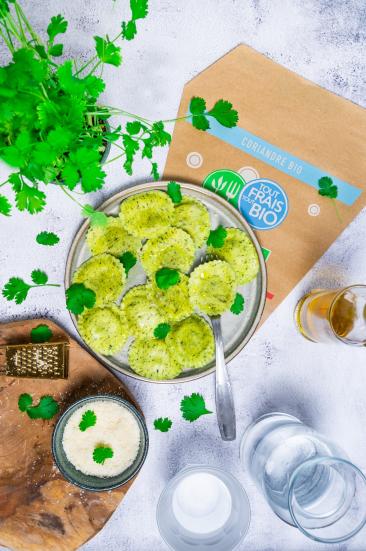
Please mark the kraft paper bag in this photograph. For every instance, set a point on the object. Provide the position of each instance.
(290, 134)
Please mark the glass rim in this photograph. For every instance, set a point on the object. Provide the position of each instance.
(330, 310)
(324, 459)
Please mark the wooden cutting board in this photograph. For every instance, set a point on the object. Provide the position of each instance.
(39, 510)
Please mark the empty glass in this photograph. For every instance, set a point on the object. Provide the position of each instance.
(333, 315)
(306, 478)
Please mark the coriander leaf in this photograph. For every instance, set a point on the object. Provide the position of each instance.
(327, 188)
(107, 51)
(139, 8)
(88, 419)
(200, 122)
(5, 206)
(56, 50)
(96, 217)
(174, 192)
(41, 51)
(159, 134)
(16, 289)
(129, 29)
(79, 297)
(57, 26)
(154, 171)
(46, 408)
(163, 424)
(131, 147)
(47, 238)
(39, 277)
(161, 330)
(224, 113)
(192, 407)
(217, 237)
(94, 85)
(128, 260)
(101, 453)
(133, 127)
(238, 304)
(24, 401)
(166, 277)
(197, 106)
(41, 333)
(29, 198)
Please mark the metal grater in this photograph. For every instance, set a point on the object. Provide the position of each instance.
(47, 360)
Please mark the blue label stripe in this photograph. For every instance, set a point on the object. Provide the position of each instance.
(282, 160)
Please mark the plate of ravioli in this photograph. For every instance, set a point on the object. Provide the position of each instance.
(167, 257)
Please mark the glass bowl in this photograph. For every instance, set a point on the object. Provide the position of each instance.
(91, 482)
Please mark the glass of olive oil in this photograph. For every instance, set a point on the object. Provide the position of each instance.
(325, 315)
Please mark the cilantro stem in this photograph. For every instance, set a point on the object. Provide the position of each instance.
(46, 285)
(3, 184)
(71, 197)
(179, 118)
(337, 211)
(20, 22)
(95, 56)
(7, 41)
(115, 158)
(28, 25)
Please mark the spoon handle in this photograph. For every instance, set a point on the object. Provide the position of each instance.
(225, 409)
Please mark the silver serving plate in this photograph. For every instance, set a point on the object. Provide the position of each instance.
(236, 329)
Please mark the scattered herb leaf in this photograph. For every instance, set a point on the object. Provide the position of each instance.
(154, 171)
(101, 453)
(224, 113)
(161, 330)
(5, 206)
(47, 238)
(96, 217)
(192, 407)
(24, 401)
(88, 419)
(174, 192)
(327, 188)
(41, 333)
(16, 289)
(39, 277)
(46, 408)
(128, 260)
(79, 297)
(163, 424)
(238, 305)
(217, 237)
(166, 277)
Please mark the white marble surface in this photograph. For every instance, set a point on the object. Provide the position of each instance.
(323, 40)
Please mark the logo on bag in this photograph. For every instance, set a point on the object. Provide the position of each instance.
(226, 183)
(263, 203)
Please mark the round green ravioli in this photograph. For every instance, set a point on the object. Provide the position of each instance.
(105, 329)
(238, 250)
(192, 342)
(174, 249)
(141, 311)
(173, 303)
(147, 215)
(212, 287)
(151, 358)
(193, 217)
(112, 238)
(105, 275)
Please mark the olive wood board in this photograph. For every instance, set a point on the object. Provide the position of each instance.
(39, 509)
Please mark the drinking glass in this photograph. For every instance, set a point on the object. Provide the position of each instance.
(333, 315)
(306, 478)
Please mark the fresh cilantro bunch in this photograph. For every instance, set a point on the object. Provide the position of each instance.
(54, 129)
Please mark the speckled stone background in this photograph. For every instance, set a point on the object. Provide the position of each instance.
(325, 385)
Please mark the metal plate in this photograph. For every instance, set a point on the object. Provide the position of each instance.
(237, 330)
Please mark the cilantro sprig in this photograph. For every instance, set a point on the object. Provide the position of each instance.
(79, 297)
(102, 453)
(162, 330)
(46, 408)
(163, 424)
(47, 238)
(41, 333)
(193, 407)
(238, 305)
(328, 189)
(167, 277)
(222, 112)
(174, 192)
(17, 289)
(88, 420)
(217, 237)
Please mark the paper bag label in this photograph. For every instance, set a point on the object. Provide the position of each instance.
(264, 204)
